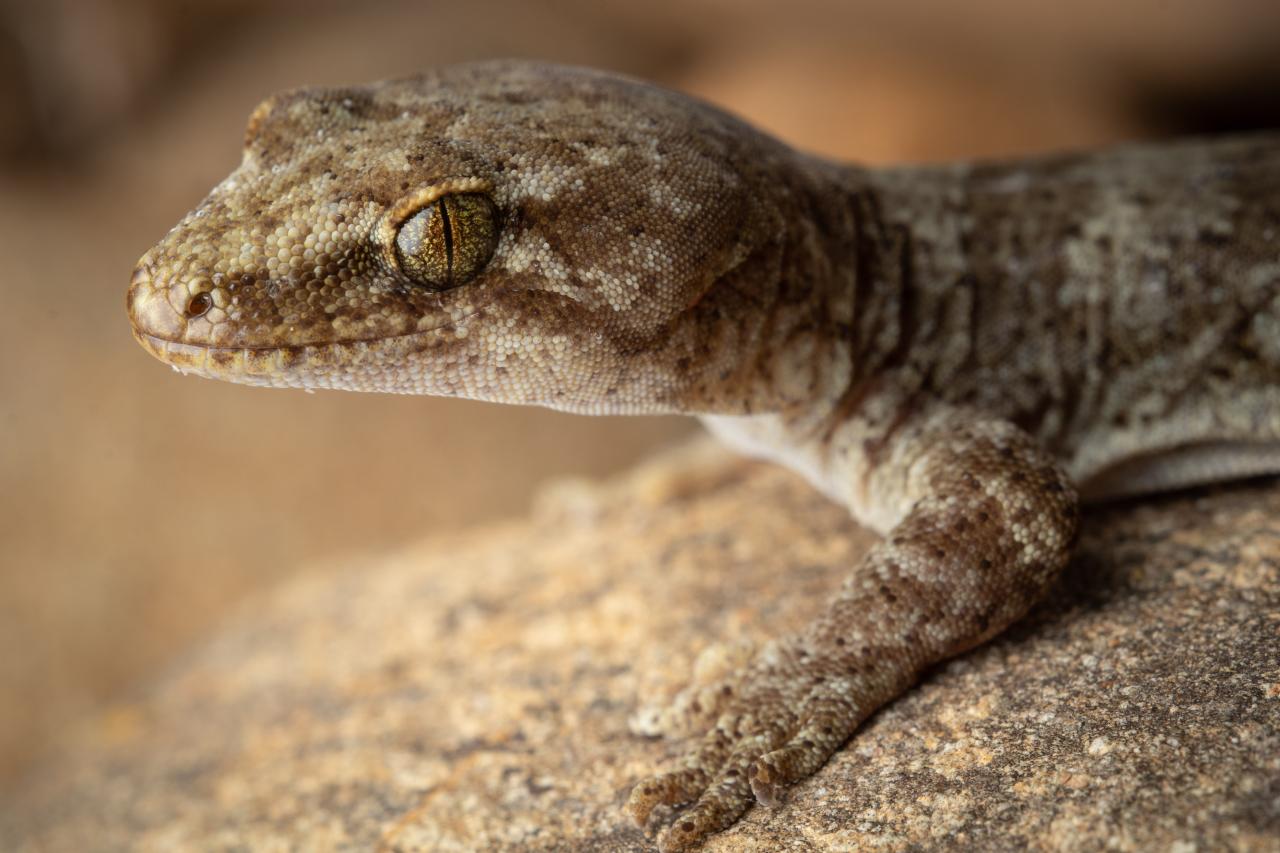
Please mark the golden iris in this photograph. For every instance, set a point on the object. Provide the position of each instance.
(449, 241)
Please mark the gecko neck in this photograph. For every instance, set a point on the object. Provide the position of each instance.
(824, 303)
(1032, 291)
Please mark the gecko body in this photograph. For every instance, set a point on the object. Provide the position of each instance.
(955, 353)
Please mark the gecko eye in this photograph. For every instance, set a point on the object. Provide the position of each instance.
(449, 241)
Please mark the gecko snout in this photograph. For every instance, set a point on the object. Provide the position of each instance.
(150, 311)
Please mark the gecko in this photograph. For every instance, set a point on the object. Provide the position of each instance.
(960, 354)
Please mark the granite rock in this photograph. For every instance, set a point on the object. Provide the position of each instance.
(474, 692)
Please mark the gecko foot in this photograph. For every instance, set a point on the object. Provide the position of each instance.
(791, 712)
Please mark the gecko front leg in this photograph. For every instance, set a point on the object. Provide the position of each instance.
(982, 520)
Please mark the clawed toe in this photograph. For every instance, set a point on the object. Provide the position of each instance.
(717, 807)
(770, 738)
(766, 785)
(723, 784)
(808, 749)
(664, 789)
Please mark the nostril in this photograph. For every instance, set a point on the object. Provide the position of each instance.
(198, 305)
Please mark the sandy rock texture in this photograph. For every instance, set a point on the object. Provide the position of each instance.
(474, 692)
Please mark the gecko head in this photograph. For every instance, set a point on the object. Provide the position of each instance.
(507, 231)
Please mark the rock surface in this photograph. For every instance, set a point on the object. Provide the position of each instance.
(474, 692)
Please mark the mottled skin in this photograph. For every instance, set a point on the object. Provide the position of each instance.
(953, 353)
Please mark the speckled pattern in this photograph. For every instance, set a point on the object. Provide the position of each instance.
(473, 693)
(952, 353)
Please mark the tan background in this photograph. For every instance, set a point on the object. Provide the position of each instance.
(137, 506)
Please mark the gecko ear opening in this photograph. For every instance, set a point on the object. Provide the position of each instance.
(448, 241)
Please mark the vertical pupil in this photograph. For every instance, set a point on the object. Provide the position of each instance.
(448, 241)
(447, 228)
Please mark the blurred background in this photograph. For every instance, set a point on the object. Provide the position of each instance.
(137, 507)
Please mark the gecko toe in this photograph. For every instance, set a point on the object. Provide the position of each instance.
(756, 750)
(718, 806)
(821, 733)
(664, 789)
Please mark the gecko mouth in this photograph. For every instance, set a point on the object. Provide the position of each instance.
(228, 361)
(301, 365)
(183, 338)
(289, 365)
(160, 329)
